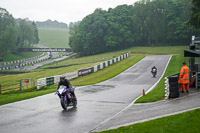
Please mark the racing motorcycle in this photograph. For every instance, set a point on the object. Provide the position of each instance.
(66, 98)
(154, 72)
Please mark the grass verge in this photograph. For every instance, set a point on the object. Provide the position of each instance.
(106, 73)
(24, 94)
(187, 122)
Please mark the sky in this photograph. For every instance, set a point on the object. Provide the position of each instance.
(61, 10)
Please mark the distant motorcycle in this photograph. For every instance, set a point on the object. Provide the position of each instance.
(66, 98)
(154, 72)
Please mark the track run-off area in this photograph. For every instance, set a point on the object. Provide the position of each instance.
(98, 106)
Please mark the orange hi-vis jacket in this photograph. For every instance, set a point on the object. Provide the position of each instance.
(184, 75)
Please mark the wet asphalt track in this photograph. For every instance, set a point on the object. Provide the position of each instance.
(96, 103)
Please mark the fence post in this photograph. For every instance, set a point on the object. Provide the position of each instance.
(20, 85)
(33, 82)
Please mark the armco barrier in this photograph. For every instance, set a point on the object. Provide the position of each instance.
(113, 61)
(17, 61)
(15, 64)
(96, 68)
(71, 75)
(41, 82)
(106, 64)
(109, 63)
(84, 72)
(121, 57)
(92, 69)
(54, 80)
(117, 59)
(101, 66)
(49, 81)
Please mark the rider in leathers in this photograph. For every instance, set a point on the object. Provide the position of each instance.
(65, 82)
(153, 68)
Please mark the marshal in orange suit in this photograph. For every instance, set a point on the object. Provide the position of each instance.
(184, 78)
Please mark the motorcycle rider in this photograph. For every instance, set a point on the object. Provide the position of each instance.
(65, 82)
(153, 69)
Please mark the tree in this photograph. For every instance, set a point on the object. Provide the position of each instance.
(8, 33)
(178, 16)
(15, 33)
(88, 37)
(195, 17)
(119, 33)
(36, 37)
(26, 34)
(147, 23)
(73, 37)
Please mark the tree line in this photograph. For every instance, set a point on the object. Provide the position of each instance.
(146, 23)
(52, 24)
(55, 24)
(15, 33)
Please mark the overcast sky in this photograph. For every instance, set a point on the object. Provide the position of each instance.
(61, 10)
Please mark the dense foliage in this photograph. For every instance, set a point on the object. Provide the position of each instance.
(195, 17)
(146, 23)
(15, 33)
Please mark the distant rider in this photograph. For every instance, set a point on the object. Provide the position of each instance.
(154, 69)
(65, 82)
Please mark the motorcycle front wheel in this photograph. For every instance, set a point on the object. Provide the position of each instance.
(63, 102)
(74, 103)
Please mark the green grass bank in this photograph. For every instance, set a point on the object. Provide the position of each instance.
(54, 37)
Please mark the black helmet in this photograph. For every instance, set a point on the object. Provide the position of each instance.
(62, 77)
